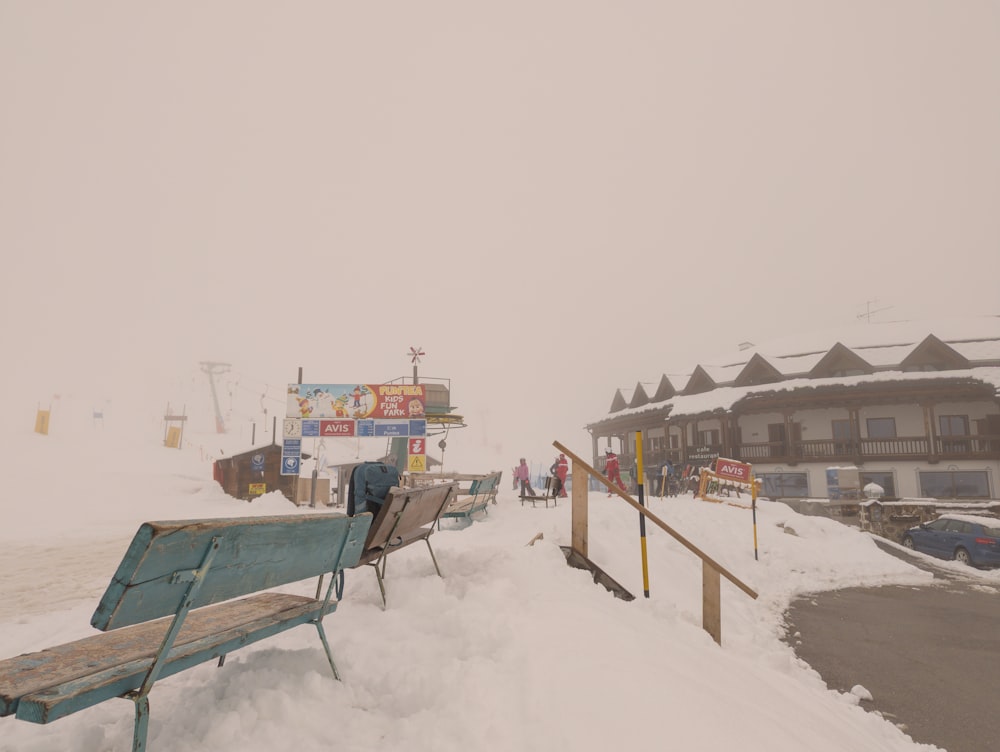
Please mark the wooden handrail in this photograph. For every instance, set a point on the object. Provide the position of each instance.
(658, 522)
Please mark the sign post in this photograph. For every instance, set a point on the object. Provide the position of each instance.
(642, 517)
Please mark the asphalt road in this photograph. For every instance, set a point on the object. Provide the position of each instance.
(930, 655)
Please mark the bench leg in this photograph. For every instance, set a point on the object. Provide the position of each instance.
(326, 647)
(436, 567)
(141, 722)
(381, 582)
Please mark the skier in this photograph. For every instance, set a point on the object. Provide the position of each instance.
(612, 470)
(666, 478)
(560, 469)
(523, 474)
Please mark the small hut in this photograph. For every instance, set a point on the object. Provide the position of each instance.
(258, 471)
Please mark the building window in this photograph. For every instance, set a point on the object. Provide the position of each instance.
(785, 485)
(967, 484)
(675, 441)
(708, 438)
(881, 428)
(954, 425)
(841, 436)
(886, 480)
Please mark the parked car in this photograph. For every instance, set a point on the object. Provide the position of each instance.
(970, 540)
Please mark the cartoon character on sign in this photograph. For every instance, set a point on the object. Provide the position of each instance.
(340, 406)
(416, 408)
(357, 396)
(305, 407)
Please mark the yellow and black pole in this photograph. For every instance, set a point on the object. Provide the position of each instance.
(642, 517)
(753, 505)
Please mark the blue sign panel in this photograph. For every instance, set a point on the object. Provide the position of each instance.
(310, 427)
(391, 428)
(365, 428)
(291, 447)
(257, 462)
(290, 465)
(418, 428)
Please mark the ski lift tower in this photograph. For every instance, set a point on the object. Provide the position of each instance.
(212, 369)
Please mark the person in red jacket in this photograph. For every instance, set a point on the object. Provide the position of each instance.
(612, 470)
(560, 469)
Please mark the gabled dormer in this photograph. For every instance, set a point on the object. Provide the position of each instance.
(618, 403)
(665, 390)
(934, 355)
(639, 396)
(840, 361)
(700, 382)
(757, 371)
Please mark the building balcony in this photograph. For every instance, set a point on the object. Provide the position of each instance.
(859, 451)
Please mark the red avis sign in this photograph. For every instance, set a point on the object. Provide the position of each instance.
(336, 427)
(733, 470)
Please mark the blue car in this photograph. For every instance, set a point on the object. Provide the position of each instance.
(970, 540)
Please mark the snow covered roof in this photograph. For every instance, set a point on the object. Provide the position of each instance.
(939, 345)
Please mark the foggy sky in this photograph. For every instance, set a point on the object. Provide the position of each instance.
(552, 199)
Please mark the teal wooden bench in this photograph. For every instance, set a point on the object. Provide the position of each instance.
(406, 516)
(549, 494)
(482, 492)
(170, 606)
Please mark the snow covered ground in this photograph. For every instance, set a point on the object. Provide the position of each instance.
(511, 650)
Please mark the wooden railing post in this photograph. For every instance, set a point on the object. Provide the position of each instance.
(711, 601)
(581, 484)
(711, 615)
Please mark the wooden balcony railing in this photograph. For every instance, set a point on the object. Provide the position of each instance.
(846, 450)
(900, 446)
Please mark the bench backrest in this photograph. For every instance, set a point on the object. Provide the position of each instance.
(489, 483)
(253, 554)
(407, 509)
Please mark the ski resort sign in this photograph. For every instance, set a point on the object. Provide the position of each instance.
(356, 401)
(349, 410)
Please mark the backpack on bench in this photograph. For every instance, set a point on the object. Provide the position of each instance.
(370, 482)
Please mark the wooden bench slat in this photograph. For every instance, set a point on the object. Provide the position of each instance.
(405, 510)
(33, 672)
(374, 554)
(175, 588)
(407, 515)
(481, 493)
(255, 553)
(548, 495)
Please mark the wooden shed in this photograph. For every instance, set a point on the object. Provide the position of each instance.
(255, 472)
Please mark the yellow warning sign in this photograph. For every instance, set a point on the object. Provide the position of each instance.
(173, 437)
(258, 489)
(418, 463)
(42, 422)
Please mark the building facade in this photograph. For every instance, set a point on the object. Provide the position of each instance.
(915, 407)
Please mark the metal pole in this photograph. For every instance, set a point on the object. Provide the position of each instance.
(642, 517)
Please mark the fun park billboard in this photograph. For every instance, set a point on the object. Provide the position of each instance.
(355, 401)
